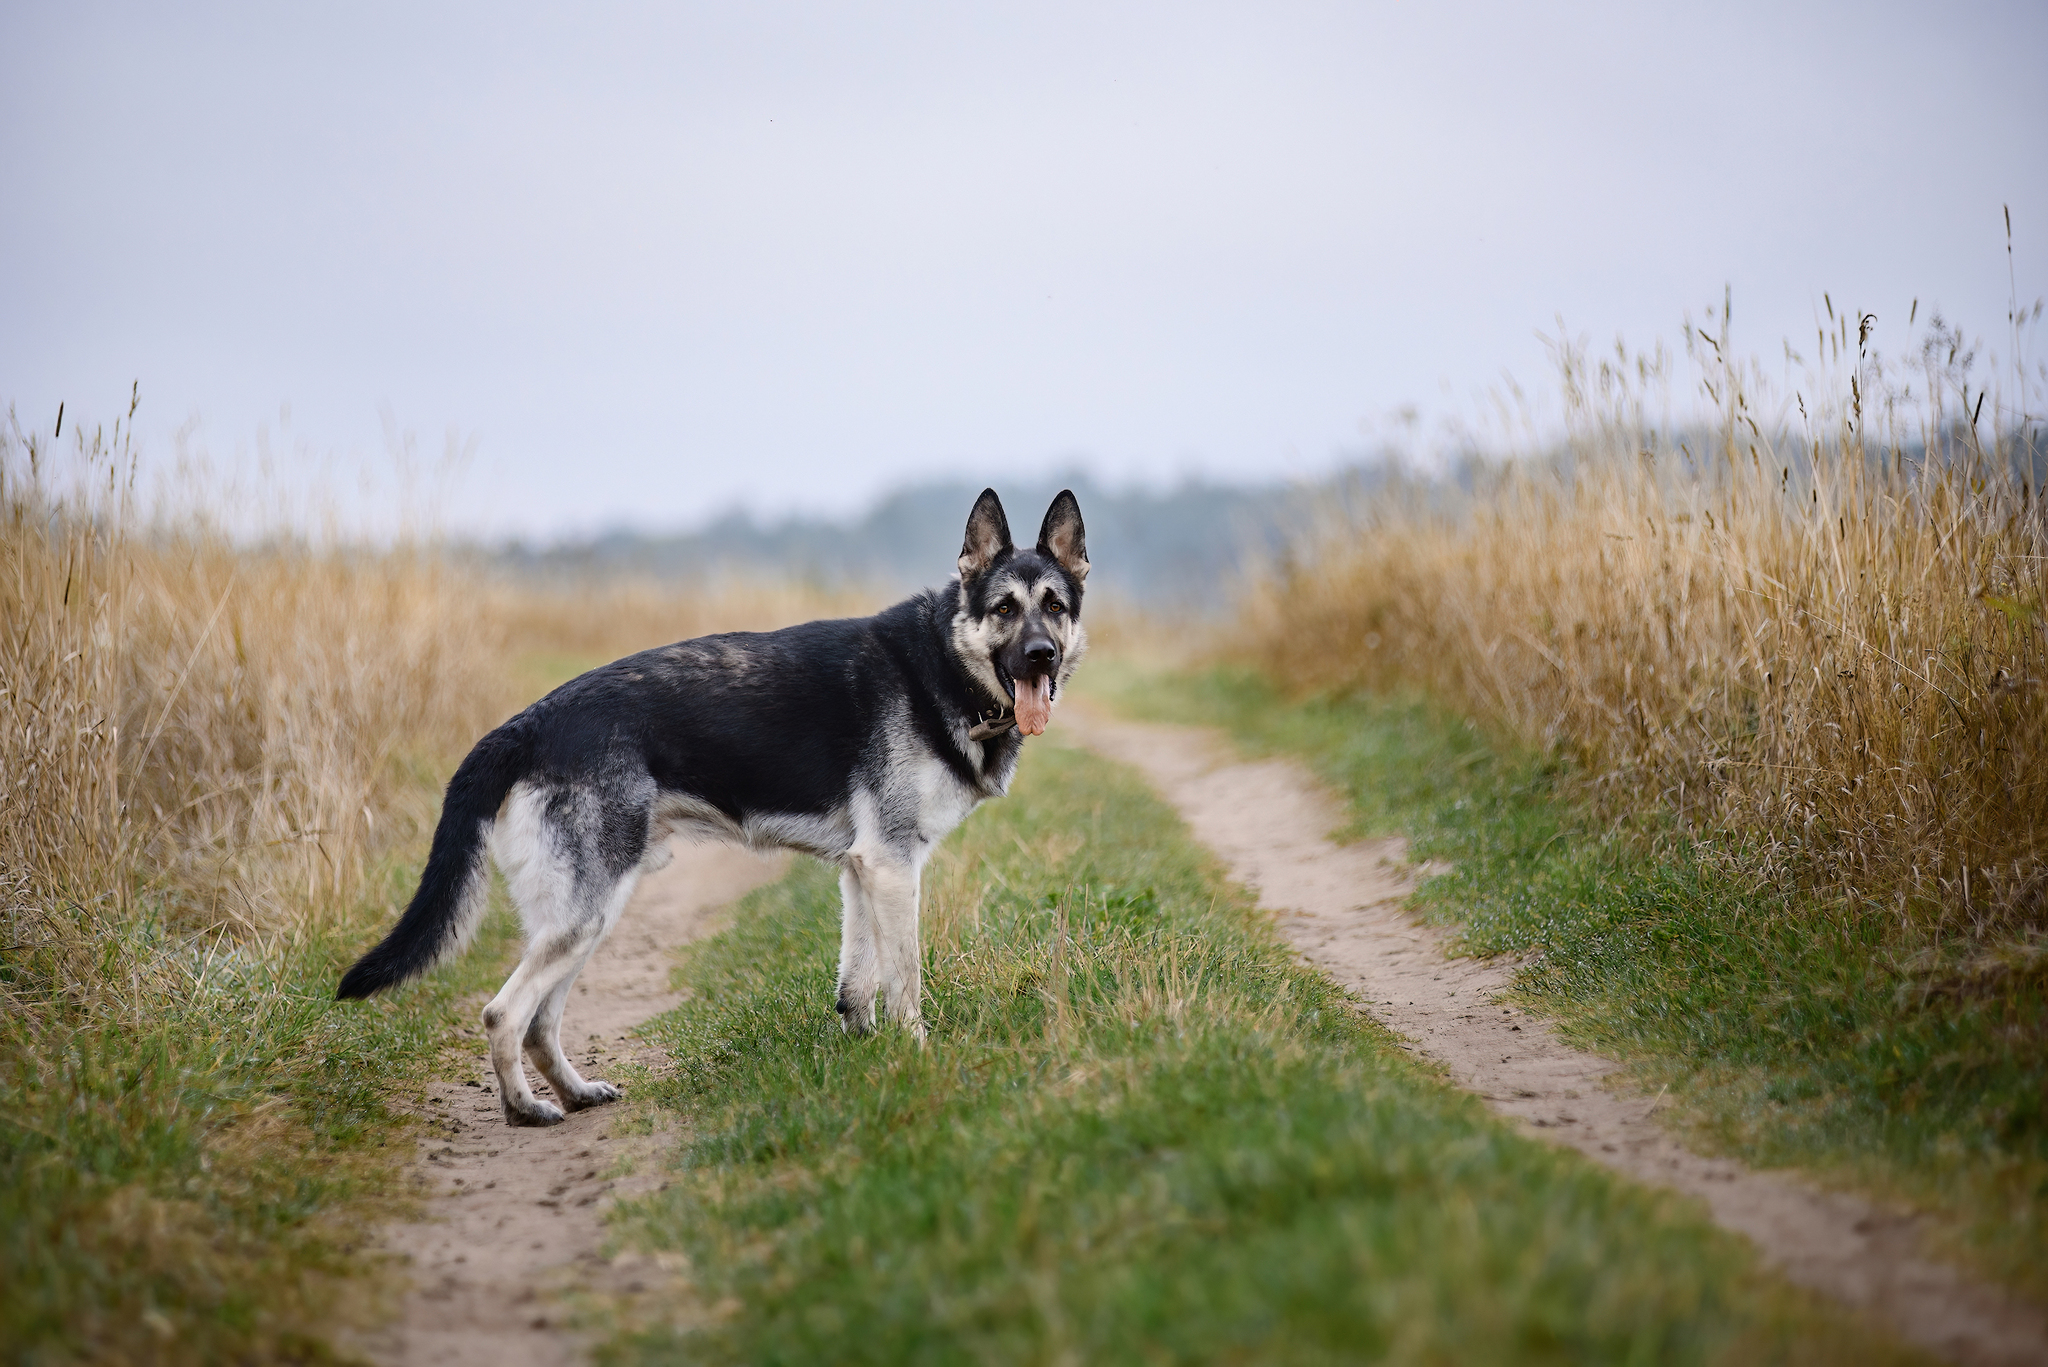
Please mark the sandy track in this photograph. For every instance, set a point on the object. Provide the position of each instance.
(1341, 907)
(514, 1217)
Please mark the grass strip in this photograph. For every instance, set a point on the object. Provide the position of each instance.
(1141, 1132)
(1795, 1032)
(190, 1180)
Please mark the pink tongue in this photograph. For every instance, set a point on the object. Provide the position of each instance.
(1034, 705)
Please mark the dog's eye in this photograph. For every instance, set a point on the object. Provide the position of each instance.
(1004, 609)
(1055, 606)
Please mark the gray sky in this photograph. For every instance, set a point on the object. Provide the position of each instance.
(648, 262)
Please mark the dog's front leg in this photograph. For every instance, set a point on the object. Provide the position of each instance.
(891, 885)
(859, 969)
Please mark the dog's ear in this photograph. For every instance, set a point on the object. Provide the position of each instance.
(988, 535)
(1062, 536)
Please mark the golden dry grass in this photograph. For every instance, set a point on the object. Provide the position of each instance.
(1822, 633)
(602, 617)
(228, 738)
(217, 764)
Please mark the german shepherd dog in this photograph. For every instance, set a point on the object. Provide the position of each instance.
(862, 741)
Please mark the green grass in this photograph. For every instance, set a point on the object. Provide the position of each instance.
(1797, 1031)
(190, 1161)
(1140, 1132)
(187, 1176)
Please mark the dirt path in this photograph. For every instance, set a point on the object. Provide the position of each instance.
(1340, 906)
(514, 1217)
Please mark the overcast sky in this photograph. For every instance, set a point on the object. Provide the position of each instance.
(646, 263)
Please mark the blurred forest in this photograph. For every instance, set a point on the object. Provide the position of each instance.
(1177, 551)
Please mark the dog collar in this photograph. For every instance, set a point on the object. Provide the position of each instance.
(988, 725)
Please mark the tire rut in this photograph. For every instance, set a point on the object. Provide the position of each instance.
(514, 1218)
(1342, 908)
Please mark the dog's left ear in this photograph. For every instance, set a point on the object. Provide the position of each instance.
(1063, 538)
(988, 536)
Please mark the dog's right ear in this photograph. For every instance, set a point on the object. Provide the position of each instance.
(988, 536)
(1061, 536)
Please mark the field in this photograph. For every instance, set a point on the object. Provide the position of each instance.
(1782, 1031)
(1741, 730)
(220, 765)
(1141, 1133)
(1741, 739)
(1821, 634)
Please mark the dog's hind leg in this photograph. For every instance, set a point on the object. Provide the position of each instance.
(544, 1032)
(859, 970)
(547, 964)
(528, 1011)
(569, 858)
(544, 1048)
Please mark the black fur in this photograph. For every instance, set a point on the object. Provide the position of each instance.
(768, 722)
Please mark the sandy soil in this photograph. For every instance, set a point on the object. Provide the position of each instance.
(514, 1217)
(1341, 907)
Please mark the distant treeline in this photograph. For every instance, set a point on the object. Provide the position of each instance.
(1180, 550)
(1176, 550)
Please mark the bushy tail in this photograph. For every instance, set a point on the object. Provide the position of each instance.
(445, 910)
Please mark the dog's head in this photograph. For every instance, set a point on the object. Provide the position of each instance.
(1017, 626)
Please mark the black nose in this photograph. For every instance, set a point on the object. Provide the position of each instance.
(1040, 654)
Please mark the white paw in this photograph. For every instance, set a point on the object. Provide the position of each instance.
(536, 1113)
(856, 1013)
(594, 1094)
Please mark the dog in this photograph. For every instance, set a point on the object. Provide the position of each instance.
(862, 741)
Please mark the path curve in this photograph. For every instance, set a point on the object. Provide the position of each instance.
(514, 1217)
(1341, 906)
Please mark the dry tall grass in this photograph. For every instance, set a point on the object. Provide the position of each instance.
(602, 618)
(1823, 631)
(221, 740)
(213, 761)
